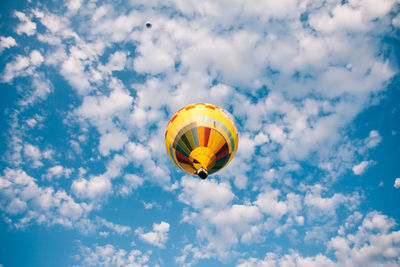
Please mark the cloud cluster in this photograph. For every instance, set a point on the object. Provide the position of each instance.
(24, 202)
(109, 255)
(6, 42)
(26, 26)
(158, 237)
(294, 74)
(223, 225)
(373, 244)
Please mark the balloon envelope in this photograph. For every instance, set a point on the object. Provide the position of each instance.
(201, 139)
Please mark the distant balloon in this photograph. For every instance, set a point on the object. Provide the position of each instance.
(148, 25)
(201, 139)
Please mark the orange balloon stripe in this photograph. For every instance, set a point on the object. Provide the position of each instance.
(200, 131)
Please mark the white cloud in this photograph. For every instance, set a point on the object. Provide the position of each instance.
(221, 93)
(108, 25)
(269, 204)
(73, 71)
(33, 153)
(204, 193)
(94, 188)
(293, 86)
(237, 221)
(74, 5)
(327, 205)
(42, 87)
(197, 253)
(15, 68)
(52, 22)
(6, 42)
(115, 166)
(158, 237)
(108, 255)
(152, 59)
(113, 141)
(360, 168)
(26, 26)
(294, 259)
(116, 61)
(151, 205)
(58, 171)
(396, 21)
(141, 156)
(372, 245)
(120, 229)
(100, 107)
(22, 196)
(35, 57)
(397, 183)
(373, 139)
(131, 182)
(16, 206)
(222, 229)
(31, 122)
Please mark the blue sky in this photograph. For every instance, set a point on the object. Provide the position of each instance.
(86, 94)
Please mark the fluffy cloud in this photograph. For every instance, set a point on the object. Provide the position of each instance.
(397, 183)
(35, 57)
(141, 156)
(108, 255)
(360, 168)
(131, 182)
(26, 26)
(25, 201)
(293, 73)
(6, 42)
(57, 172)
(15, 68)
(94, 188)
(112, 141)
(219, 230)
(373, 139)
(158, 237)
(373, 244)
(34, 154)
(204, 193)
(120, 229)
(268, 203)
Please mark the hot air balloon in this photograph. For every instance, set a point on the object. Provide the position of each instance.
(201, 139)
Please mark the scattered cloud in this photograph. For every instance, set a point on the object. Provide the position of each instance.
(120, 229)
(6, 42)
(205, 193)
(57, 172)
(132, 182)
(108, 255)
(294, 75)
(34, 154)
(158, 237)
(26, 202)
(373, 244)
(26, 26)
(397, 183)
(94, 188)
(15, 68)
(360, 168)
